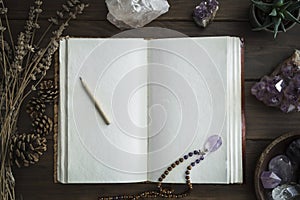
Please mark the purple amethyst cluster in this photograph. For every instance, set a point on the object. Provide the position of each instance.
(205, 12)
(282, 89)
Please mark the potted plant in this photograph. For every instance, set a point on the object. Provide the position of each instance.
(275, 15)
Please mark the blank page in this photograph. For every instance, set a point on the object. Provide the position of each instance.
(188, 101)
(115, 71)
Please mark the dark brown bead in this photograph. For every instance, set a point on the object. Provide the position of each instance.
(177, 162)
(189, 167)
(187, 172)
(169, 168)
(173, 165)
(160, 180)
(187, 177)
(166, 172)
(180, 159)
(163, 176)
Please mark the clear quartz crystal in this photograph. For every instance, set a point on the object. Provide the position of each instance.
(213, 143)
(135, 13)
(286, 192)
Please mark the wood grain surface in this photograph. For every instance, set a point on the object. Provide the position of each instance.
(263, 124)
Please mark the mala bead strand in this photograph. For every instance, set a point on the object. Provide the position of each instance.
(212, 144)
(165, 192)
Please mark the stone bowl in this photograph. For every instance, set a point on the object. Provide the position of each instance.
(278, 146)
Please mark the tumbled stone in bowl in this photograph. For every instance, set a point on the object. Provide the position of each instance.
(293, 151)
(269, 179)
(282, 167)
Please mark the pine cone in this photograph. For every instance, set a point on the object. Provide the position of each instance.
(47, 91)
(35, 107)
(26, 149)
(42, 125)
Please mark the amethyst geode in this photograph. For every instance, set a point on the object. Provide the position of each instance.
(205, 12)
(282, 88)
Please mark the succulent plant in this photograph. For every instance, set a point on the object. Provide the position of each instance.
(277, 14)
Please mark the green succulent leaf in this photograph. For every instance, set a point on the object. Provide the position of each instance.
(265, 7)
(281, 15)
(264, 26)
(277, 22)
(262, 3)
(278, 3)
(286, 5)
(283, 27)
(293, 7)
(274, 12)
(291, 17)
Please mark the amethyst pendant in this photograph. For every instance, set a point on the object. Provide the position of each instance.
(213, 143)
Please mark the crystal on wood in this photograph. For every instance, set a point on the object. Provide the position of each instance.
(281, 88)
(205, 12)
(135, 14)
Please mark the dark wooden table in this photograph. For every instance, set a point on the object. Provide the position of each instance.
(262, 54)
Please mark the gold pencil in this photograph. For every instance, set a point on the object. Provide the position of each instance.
(92, 97)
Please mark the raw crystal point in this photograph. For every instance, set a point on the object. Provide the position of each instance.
(135, 13)
(282, 167)
(269, 179)
(293, 151)
(281, 88)
(213, 143)
(286, 192)
(205, 12)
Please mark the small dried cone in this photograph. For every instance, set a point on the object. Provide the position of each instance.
(26, 149)
(47, 91)
(42, 125)
(35, 107)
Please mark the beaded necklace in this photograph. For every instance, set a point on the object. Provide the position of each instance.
(212, 144)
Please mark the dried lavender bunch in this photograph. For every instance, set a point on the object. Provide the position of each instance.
(23, 64)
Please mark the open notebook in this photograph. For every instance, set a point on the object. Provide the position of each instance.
(164, 98)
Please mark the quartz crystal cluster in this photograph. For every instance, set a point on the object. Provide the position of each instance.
(135, 13)
(282, 88)
(205, 12)
(283, 175)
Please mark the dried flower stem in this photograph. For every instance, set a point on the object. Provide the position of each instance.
(22, 69)
(8, 26)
